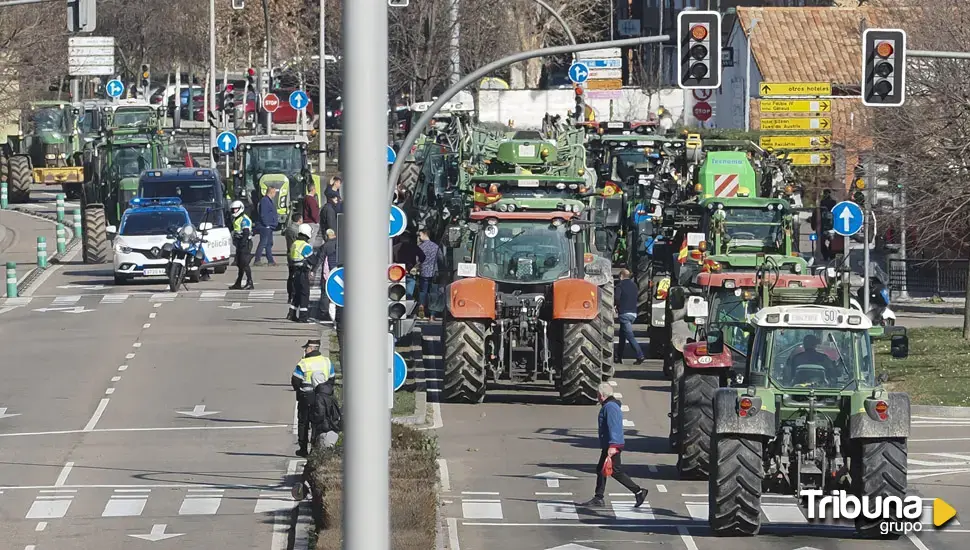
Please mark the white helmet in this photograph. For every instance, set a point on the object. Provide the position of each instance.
(237, 208)
(305, 230)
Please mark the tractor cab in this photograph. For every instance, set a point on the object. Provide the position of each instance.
(273, 161)
(52, 141)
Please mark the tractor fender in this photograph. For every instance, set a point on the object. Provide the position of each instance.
(864, 424)
(575, 299)
(727, 420)
(472, 298)
(695, 360)
(680, 332)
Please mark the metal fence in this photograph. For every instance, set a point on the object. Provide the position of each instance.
(928, 277)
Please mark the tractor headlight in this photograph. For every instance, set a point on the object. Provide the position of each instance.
(50, 156)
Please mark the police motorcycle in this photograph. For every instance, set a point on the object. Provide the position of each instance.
(186, 253)
(879, 312)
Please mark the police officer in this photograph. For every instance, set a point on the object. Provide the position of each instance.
(301, 260)
(242, 238)
(302, 382)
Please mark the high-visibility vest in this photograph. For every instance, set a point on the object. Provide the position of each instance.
(240, 223)
(310, 365)
(299, 252)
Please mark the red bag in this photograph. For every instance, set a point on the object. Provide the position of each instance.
(608, 466)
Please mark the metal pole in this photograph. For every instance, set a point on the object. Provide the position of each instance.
(747, 80)
(212, 80)
(23, 2)
(904, 292)
(475, 75)
(368, 432)
(870, 184)
(269, 63)
(75, 89)
(322, 102)
(937, 54)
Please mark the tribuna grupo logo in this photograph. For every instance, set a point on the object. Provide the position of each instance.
(898, 515)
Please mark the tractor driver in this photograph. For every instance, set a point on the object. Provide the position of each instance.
(810, 356)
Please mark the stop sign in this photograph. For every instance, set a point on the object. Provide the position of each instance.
(702, 111)
(271, 103)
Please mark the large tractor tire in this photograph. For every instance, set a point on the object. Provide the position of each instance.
(734, 487)
(607, 327)
(676, 374)
(581, 360)
(19, 180)
(409, 176)
(465, 372)
(695, 422)
(94, 237)
(643, 294)
(879, 469)
(659, 338)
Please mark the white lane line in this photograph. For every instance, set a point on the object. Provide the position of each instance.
(661, 488)
(114, 298)
(96, 416)
(30, 547)
(697, 510)
(136, 345)
(163, 297)
(280, 507)
(152, 315)
(147, 325)
(109, 391)
(122, 368)
(157, 305)
(481, 509)
(115, 378)
(159, 429)
(783, 513)
(628, 423)
(612, 383)
(41, 525)
(273, 502)
(685, 536)
(557, 510)
(62, 477)
(125, 504)
(443, 476)
(916, 542)
(618, 395)
(130, 356)
(625, 408)
(212, 295)
(65, 300)
(453, 534)
(480, 492)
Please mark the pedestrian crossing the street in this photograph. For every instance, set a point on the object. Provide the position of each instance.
(94, 300)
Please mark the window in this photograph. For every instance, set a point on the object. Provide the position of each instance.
(49, 120)
(818, 358)
(132, 160)
(758, 227)
(190, 192)
(152, 223)
(729, 313)
(534, 252)
(131, 118)
(280, 158)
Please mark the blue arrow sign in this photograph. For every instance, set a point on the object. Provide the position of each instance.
(399, 222)
(335, 287)
(847, 218)
(578, 72)
(115, 88)
(391, 155)
(227, 142)
(812, 237)
(614, 63)
(299, 100)
(399, 371)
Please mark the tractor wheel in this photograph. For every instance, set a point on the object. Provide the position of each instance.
(607, 327)
(20, 180)
(879, 469)
(659, 338)
(677, 372)
(581, 351)
(695, 422)
(734, 487)
(643, 294)
(464, 361)
(94, 238)
(409, 176)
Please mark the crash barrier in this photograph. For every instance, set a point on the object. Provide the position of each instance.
(3, 194)
(60, 208)
(921, 277)
(77, 223)
(61, 239)
(11, 280)
(42, 252)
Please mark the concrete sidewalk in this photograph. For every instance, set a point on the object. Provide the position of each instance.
(949, 306)
(18, 241)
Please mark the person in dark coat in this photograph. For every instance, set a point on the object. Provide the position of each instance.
(325, 413)
(328, 215)
(626, 308)
(610, 430)
(267, 222)
(407, 253)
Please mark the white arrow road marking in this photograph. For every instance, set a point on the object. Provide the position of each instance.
(3, 413)
(235, 305)
(198, 411)
(75, 309)
(572, 546)
(846, 217)
(552, 478)
(157, 534)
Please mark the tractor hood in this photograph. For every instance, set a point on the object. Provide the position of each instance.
(51, 138)
(129, 183)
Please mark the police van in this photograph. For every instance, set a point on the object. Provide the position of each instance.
(204, 197)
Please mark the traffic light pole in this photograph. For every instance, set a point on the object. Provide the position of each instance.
(212, 81)
(866, 212)
(469, 79)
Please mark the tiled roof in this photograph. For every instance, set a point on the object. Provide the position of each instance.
(814, 44)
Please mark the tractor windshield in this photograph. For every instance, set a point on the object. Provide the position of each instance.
(278, 158)
(131, 118)
(86, 123)
(752, 226)
(817, 358)
(527, 251)
(49, 120)
(132, 160)
(729, 312)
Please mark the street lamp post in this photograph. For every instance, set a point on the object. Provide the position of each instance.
(747, 81)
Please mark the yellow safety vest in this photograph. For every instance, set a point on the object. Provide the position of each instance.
(240, 223)
(310, 365)
(299, 251)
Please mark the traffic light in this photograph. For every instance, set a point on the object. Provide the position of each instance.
(580, 104)
(229, 100)
(398, 306)
(146, 77)
(883, 67)
(251, 78)
(883, 194)
(82, 15)
(699, 49)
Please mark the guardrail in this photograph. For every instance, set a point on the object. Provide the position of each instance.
(928, 277)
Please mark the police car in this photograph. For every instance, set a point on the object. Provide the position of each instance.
(202, 194)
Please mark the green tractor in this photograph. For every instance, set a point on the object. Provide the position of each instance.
(807, 414)
(131, 141)
(445, 135)
(44, 151)
(274, 161)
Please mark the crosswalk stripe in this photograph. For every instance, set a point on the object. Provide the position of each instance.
(51, 507)
(557, 510)
(623, 509)
(65, 300)
(274, 501)
(114, 298)
(201, 502)
(163, 296)
(213, 295)
(18, 301)
(697, 510)
(261, 294)
(125, 504)
(481, 509)
(783, 513)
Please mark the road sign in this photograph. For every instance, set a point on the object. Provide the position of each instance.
(227, 142)
(399, 371)
(391, 155)
(795, 88)
(578, 72)
(271, 102)
(335, 287)
(399, 222)
(821, 141)
(607, 74)
(795, 106)
(628, 27)
(702, 95)
(115, 88)
(91, 55)
(611, 63)
(847, 218)
(616, 84)
(810, 159)
(812, 237)
(702, 111)
(605, 53)
(793, 123)
(299, 100)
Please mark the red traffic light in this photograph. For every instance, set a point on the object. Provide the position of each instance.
(884, 49)
(698, 32)
(251, 71)
(230, 87)
(396, 273)
(579, 90)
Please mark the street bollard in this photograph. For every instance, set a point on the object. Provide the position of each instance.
(60, 207)
(77, 223)
(3, 194)
(61, 238)
(42, 252)
(11, 280)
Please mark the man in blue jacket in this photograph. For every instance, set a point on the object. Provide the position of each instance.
(268, 220)
(611, 445)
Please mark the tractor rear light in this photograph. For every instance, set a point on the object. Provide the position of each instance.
(747, 406)
(702, 246)
(701, 350)
(662, 294)
(588, 258)
(882, 410)
(730, 284)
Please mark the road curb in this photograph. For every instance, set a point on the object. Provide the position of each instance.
(56, 259)
(938, 309)
(941, 411)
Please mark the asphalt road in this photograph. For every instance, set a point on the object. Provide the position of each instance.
(517, 465)
(130, 415)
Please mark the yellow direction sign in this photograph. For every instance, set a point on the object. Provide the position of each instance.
(810, 159)
(821, 141)
(795, 88)
(805, 123)
(795, 106)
